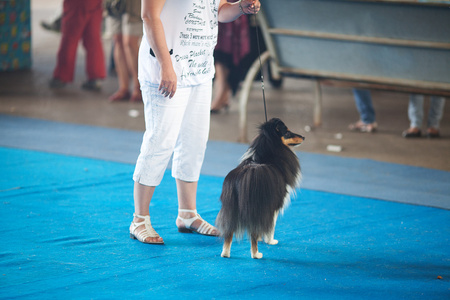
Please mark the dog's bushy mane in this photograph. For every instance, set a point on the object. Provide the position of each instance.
(267, 144)
(268, 148)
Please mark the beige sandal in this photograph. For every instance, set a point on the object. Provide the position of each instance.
(205, 228)
(145, 233)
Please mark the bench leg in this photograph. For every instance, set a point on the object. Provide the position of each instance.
(317, 104)
(245, 92)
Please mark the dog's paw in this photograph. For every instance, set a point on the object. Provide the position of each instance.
(271, 242)
(257, 255)
(225, 254)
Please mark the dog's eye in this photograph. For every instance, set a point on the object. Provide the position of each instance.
(289, 134)
(281, 128)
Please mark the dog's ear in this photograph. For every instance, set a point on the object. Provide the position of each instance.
(280, 127)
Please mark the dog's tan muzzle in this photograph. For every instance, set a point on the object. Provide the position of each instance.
(292, 139)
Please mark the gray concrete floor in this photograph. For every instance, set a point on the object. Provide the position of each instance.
(26, 93)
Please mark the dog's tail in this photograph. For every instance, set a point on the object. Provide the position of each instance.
(261, 195)
(250, 197)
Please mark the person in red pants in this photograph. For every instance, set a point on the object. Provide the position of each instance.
(81, 19)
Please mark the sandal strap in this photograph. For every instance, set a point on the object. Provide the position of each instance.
(139, 216)
(188, 222)
(188, 210)
(137, 224)
(204, 228)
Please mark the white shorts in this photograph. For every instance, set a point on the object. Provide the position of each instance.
(180, 126)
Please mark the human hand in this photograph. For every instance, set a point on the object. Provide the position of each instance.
(168, 85)
(250, 7)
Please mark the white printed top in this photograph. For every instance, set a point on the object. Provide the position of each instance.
(190, 27)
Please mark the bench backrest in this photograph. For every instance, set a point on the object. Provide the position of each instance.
(395, 43)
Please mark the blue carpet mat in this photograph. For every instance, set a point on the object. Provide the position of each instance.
(349, 176)
(64, 234)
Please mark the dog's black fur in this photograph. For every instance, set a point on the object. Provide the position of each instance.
(258, 188)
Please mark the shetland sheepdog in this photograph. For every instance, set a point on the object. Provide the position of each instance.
(259, 187)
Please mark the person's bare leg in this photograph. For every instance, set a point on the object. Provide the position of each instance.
(131, 48)
(142, 196)
(222, 89)
(187, 199)
(121, 69)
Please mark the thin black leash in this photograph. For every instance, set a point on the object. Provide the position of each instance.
(260, 66)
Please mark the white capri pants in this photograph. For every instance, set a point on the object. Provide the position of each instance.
(180, 126)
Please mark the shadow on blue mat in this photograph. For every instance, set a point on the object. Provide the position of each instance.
(64, 234)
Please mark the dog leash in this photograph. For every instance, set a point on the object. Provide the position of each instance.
(260, 65)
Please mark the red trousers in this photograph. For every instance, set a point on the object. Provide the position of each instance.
(81, 19)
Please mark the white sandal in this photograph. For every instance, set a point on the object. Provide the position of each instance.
(145, 233)
(205, 228)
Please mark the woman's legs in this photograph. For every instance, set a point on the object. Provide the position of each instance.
(142, 197)
(163, 119)
(121, 69)
(155, 152)
(222, 90)
(189, 152)
(131, 50)
(181, 126)
(187, 198)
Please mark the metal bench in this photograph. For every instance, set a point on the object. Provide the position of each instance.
(390, 45)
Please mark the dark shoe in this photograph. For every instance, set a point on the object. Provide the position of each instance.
(56, 83)
(92, 85)
(54, 26)
(411, 134)
(433, 133)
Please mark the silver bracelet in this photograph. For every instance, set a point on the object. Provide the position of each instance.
(240, 8)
